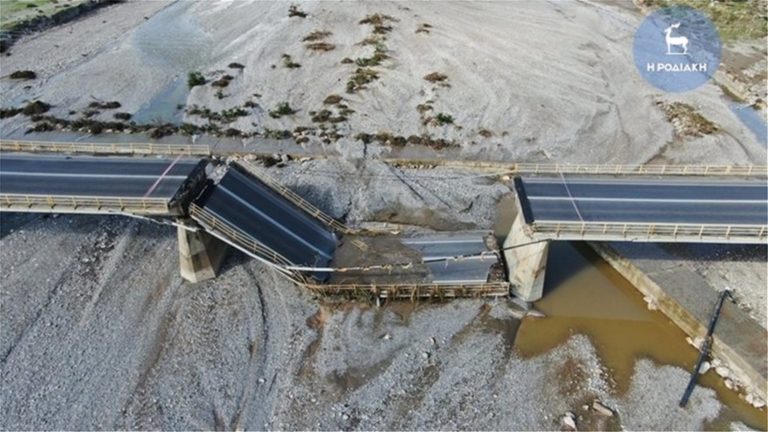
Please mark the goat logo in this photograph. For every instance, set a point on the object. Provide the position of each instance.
(671, 41)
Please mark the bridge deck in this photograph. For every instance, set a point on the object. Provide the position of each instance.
(611, 208)
(88, 184)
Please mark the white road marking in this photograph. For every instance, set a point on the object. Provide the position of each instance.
(648, 200)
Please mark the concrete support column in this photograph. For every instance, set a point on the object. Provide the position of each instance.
(527, 264)
(200, 255)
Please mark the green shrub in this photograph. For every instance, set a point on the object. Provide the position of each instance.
(195, 79)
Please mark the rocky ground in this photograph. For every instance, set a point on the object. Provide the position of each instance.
(103, 333)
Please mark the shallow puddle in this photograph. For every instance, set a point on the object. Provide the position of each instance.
(584, 295)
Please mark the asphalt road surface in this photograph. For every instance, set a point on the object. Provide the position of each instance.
(93, 176)
(254, 209)
(668, 200)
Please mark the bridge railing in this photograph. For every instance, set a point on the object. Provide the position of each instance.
(82, 204)
(105, 148)
(639, 231)
(616, 169)
(293, 197)
(212, 223)
(413, 291)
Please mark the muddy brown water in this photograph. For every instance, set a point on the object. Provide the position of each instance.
(585, 295)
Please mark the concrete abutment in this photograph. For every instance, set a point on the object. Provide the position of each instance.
(526, 261)
(200, 254)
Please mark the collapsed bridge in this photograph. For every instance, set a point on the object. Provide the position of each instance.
(216, 206)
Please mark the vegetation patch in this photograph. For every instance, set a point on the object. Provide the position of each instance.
(485, 133)
(195, 78)
(423, 28)
(223, 81)
(332, 99)
(321, 46)
(435, 77)
(735, 20)
(236, 65)
(122, 115)
(104, 105)
(379, 22)
(9, 112)
(443, 119)
(226, 116)
(289, 63)
(686, 120)
(283, 109)
(387, 138)
(36, 107)
(347, 60)
(294, 11)
(316, 35)
(360, 78)
(23, 75)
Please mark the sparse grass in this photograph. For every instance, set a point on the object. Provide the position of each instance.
(360, 78)
(422, 108)
(195, 78)
(686, 120)
(9, 112)
(423, 28)
(321, 46)
(347, 60)
(104, 105)
(485, 133)
(283, 109)
(735, 20)
(294, 11)
(36, 107)
(332, 99)
(289, 63)
(443, 119)
(379, 22)
(316, 35)
(24, 74)
(223, 81)
(435, 77)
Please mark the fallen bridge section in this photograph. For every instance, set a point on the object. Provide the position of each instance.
(97, 185)
(252, 216)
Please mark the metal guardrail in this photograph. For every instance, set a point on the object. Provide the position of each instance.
(211, 222)
(83, 204)
(413, 291)
(105, 148)
(294, 198)
(656, 232)
(595, 169)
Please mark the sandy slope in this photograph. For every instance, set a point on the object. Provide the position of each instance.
(549, 80)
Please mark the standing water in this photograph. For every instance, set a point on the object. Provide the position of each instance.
(583, 294)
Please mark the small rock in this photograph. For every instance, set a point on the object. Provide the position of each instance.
(386, 336)
(569, 421)
(425, 355)
(602, 409)
(722, 371)
(261, 380)
(345, 416)
(729, 384)
(705, 366)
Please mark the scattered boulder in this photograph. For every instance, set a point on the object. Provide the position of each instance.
(602, 409)
(568, 422)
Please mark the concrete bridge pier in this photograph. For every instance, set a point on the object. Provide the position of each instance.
(526, 264)
(200, 254)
